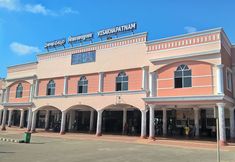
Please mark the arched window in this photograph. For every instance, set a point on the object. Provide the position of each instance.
(183, 77)
(82, 85)
(19, 91)
(51, 88)
(122, 82)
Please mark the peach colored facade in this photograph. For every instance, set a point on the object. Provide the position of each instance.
(150, 67)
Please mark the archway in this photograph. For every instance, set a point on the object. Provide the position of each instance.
(121, 119)
(48, 118)
(81, 118)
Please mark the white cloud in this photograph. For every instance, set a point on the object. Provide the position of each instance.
(22, 49)
(16, 5)
(68, 10)
(10, 4)
(190, 29)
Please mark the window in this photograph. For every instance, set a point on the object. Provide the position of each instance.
(122, 82)
(229, 79)
(82, 85)
(19, 91)
(51, 88)
(183, 77)
(84, 57)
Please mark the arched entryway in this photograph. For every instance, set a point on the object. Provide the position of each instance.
(121, 119)
(81, 118)
(48, 118)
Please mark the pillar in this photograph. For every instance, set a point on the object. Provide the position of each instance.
(91, 121)
(144, 77)
(101, 81)
(124, 120)
(3, 95)
(47, 119)
(4, 119)
(151, 122)
(220, 79)
(10, 118)
(22, 118)
(29, 119)
(63, 122)
(152, 84)
(31, 93)
(36, 88)
(1, 112)
(164, 122)
(222, 130)
(232, 124)
(65, 91)
(143, 123)
(6, 95)
(34, 121)
(196, 121)
(99, 123)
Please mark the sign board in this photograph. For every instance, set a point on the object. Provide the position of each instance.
(80, 38)
(54, 44)
(117, 29)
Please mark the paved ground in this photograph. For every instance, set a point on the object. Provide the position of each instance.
(105, 149)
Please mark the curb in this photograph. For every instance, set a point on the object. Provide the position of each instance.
(9, 140)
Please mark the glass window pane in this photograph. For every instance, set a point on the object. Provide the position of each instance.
(125, 78)
(118, 86)
(187, 73)
(79, 89)
(178, 82)
(178, 74)
(187, 82)
(125, 86)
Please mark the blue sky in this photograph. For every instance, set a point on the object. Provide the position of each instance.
(25, 25)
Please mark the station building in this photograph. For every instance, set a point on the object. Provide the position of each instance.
(127, 85)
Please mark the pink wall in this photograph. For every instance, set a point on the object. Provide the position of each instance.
(93, 83)
(58, 89)
(134, 80)
(26, 92)
(201, 81)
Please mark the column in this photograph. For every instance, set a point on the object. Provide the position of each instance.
(151, 122)
(143, 123)
(99, 123)
(152, 84)
(22, 118)
(144, 77)
(47, 119)
(65, 91)
(221, 117)
(10, 118)
(220, 79)
(3, 95)
(232, 124)
(31, 93)
(196, 121)
(6, 95)
(29, 119)
(1, 111)
(34, 121)
(164, 122)
(233, 81)
(101, 81)
(124, 119)
(36, 88)
(91, 121)
(4, 119)
(63, 122)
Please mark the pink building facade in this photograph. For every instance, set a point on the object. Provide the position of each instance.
(127, 85)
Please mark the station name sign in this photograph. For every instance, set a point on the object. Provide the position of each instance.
(54, 44)
(89, 37)
(80, 38)
(117, 29)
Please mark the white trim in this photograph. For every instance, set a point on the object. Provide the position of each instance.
(183, 56)
(228, 70)
(193, 76)
(210, 31)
